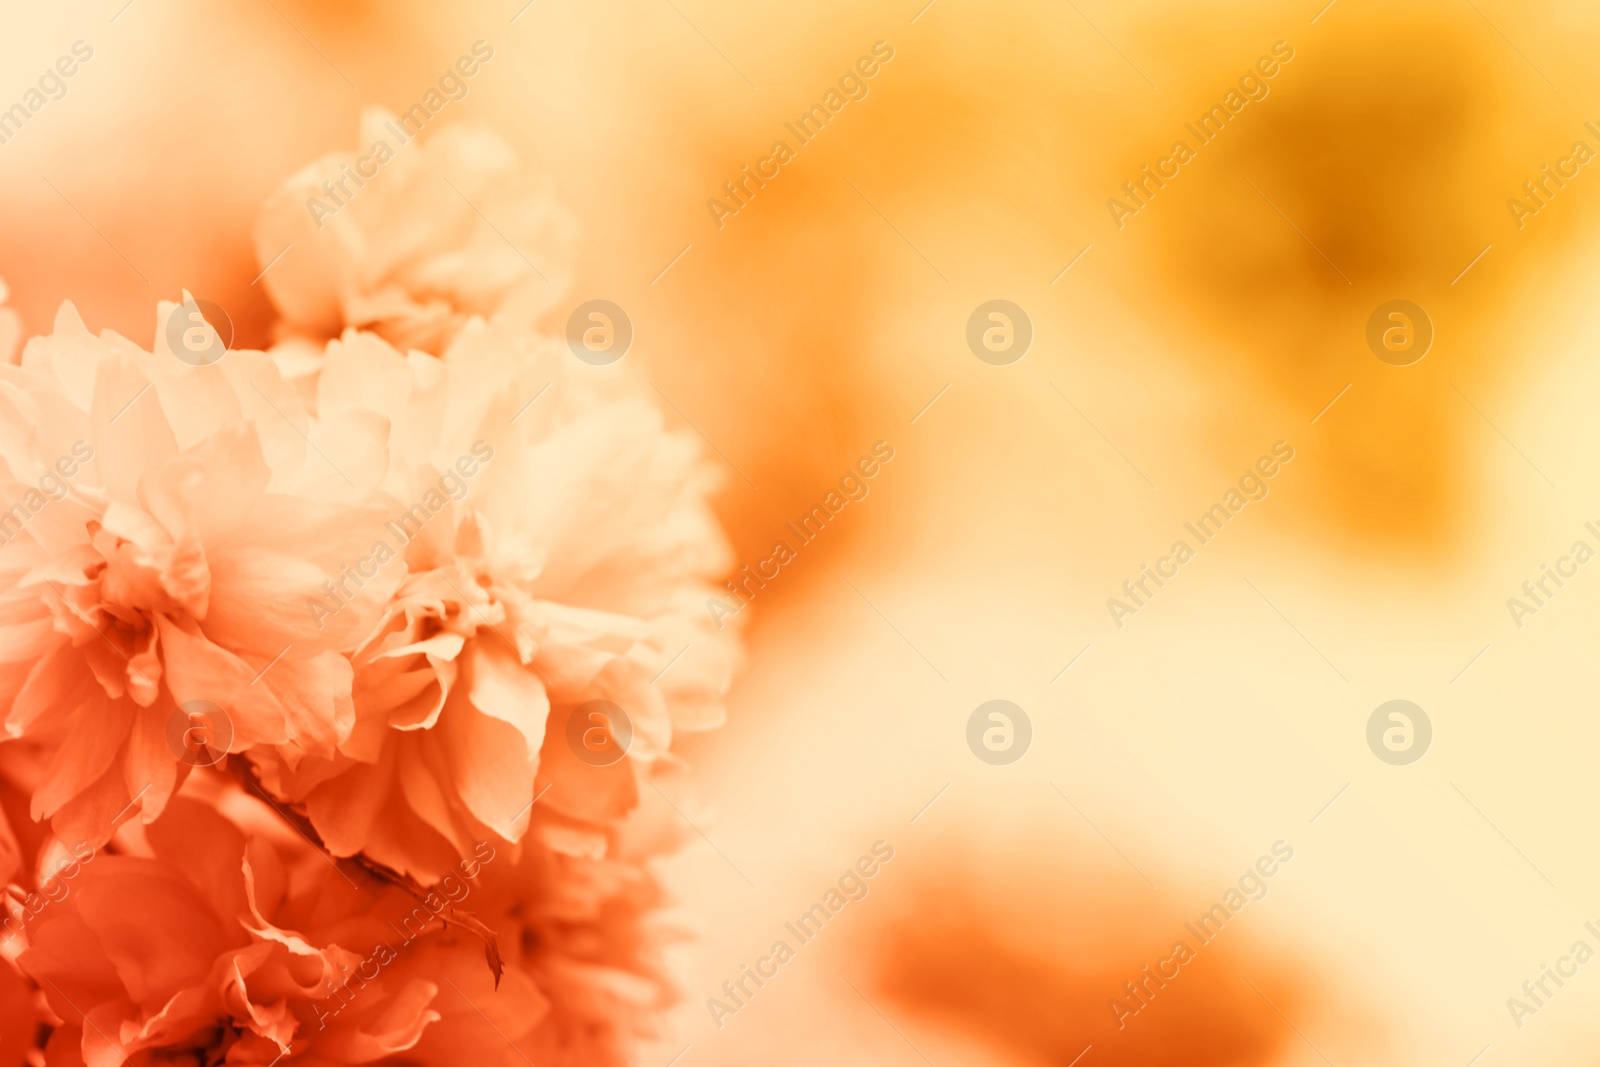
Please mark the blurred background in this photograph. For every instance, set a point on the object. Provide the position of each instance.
(1169, 352)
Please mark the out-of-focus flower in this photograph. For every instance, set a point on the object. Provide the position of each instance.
(222, 945)
(420, 239)
(589, 932)
(162, 528)
(557, 550)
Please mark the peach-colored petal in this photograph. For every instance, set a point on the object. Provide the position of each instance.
(399, 1027)
(205, 848)
(52, 683)
(148, 770)
(410, 259)
(176, 934)
(139, 441)
(513, 1010)
(95, 731)
(94, 813)
(346, 808)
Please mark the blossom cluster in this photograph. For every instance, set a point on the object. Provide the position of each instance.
(299, 666)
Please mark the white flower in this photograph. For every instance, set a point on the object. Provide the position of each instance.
(410, 240)
(556, 548)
